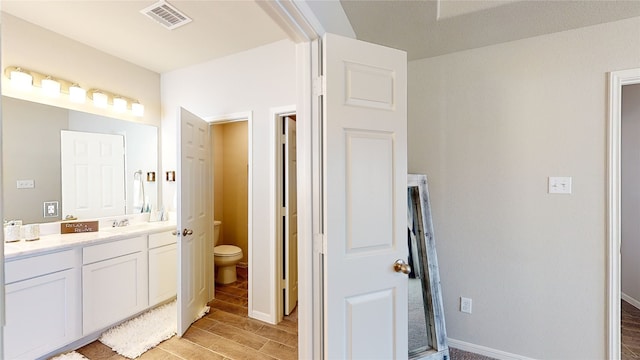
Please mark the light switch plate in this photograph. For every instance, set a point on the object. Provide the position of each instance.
(559, 185)
(25, 184)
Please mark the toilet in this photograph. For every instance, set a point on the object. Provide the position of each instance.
(225, 258)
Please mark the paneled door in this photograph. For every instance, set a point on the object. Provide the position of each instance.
(193, 218)
(291, 218)
(92, 168)
(364, 140)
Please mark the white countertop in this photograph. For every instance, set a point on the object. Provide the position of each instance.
(57, 242)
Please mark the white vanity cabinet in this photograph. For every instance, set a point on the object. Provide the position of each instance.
(42, 304)
(163, 267)
(114, 282)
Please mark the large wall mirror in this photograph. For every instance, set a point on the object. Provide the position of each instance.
(31, 140)
(427, 331)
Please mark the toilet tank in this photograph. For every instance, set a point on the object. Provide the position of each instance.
(216, 231)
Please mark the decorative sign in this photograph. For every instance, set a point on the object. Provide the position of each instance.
(78, 227)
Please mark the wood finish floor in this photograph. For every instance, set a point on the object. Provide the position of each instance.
(226, 333)
(630, 331)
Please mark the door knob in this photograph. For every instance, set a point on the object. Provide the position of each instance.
(401, 266)
(186, 232)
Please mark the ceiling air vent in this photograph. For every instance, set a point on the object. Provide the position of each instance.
(166, 14)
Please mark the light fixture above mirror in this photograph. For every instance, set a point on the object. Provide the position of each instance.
(25, 80)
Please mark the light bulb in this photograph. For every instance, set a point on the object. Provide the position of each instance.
(100, 100)
(21, 80)
(119, 104)
(137, 109)
(50, 87)
(77, 94)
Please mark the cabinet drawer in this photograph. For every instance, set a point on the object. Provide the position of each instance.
(91, 254)
(161, 239)
(39, 265)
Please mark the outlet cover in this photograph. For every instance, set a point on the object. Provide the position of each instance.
(50, 209)
(465, 305)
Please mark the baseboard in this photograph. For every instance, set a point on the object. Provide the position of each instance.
(258, 315)
(483, 350)
(630, 300)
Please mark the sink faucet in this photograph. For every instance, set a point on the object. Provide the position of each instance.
(123, 222)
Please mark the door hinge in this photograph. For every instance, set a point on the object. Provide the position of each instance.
(283, 139)
(319, 86)
(283, 211)
(320, 243)
(283, 284)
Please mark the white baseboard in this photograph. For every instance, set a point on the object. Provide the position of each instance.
(483, 350)
(258, 315)
(630, 300)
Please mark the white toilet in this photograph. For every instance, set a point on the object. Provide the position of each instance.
(225, 258)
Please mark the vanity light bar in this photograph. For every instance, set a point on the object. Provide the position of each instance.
(25, 80)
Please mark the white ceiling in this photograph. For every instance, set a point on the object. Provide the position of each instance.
(423, 28)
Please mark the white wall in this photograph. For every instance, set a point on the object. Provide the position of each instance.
(630, 198)
(255, 80)
(488, 126)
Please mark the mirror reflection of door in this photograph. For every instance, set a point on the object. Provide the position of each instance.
(92, 165)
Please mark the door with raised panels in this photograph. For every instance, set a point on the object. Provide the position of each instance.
(365, 200)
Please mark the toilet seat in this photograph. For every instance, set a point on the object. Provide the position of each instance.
(226, 250)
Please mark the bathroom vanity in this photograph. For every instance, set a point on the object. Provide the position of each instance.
(66, 289)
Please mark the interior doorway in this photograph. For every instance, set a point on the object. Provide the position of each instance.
(230, 183)
(617, 80)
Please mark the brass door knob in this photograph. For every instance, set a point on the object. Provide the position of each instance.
(186, 232)
(401, 266)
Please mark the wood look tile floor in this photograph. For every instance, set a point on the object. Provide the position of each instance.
(630, 331)
(225, 333)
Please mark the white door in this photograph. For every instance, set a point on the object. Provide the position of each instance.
(291, 219)
(193, 218)
(92, 169)
(365, 199)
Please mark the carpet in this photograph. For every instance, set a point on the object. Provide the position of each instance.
(70, 356)
(134, 337)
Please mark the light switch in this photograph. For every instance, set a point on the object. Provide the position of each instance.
(25, 184)
(559, 185)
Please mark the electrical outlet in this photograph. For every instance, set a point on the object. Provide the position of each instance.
(50, 209)
(465, 305)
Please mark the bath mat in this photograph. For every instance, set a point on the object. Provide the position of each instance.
(134, 337)
(70, 356)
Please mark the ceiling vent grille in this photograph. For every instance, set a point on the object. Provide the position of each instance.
(166, 14)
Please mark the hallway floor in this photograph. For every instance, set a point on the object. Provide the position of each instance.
(630, 331)
(225, 333)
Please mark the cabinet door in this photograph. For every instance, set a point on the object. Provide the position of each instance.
(163, 273)
(42, 313)
(113, 290)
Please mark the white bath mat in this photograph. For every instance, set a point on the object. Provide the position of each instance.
(133, 337)
(70, 356)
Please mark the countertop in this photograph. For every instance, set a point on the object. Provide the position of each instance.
(58, 242)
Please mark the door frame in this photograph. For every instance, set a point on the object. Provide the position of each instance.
(276, 116)
(218, 120)
(617, 79)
